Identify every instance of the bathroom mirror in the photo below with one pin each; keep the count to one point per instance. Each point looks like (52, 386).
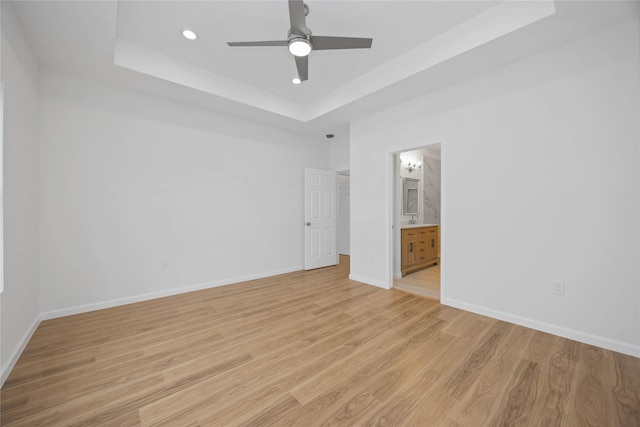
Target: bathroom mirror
(410, 204)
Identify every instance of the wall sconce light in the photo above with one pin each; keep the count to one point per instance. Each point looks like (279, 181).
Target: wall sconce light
(412, 166)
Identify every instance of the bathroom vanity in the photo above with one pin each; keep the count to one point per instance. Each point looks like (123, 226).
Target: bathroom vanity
(420, 247)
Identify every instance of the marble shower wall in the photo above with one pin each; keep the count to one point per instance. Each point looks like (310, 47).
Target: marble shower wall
(431, 187)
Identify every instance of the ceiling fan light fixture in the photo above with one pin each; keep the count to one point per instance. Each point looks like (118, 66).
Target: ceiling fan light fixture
(189, 35)
(300, 47)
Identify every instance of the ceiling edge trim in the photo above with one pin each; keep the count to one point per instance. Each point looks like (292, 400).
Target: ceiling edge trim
(490, 25)
(137, 58)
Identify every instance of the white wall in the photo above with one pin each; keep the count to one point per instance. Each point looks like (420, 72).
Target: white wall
(129, 182)
(555, 139)
(339, 153)
(19, 311)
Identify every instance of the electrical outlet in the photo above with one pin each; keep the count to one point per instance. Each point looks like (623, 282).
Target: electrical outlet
(558, 288)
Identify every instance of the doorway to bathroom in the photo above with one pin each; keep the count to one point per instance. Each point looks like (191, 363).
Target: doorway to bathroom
(417, 202)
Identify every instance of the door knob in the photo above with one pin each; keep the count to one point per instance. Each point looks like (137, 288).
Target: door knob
(308, 224)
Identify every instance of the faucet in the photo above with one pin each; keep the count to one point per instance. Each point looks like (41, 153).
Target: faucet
(413, 220)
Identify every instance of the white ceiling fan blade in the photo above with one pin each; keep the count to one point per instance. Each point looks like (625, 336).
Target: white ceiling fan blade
(297, 18)
(327, 42)
(302, 64)
(260, 43)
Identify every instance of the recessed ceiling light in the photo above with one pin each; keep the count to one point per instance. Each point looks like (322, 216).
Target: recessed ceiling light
(188, 34)
(295, 81)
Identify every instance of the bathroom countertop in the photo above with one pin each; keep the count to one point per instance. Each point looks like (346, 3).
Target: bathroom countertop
(418, 225)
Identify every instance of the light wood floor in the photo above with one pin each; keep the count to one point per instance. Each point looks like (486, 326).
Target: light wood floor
(306, 349)
(424, 282)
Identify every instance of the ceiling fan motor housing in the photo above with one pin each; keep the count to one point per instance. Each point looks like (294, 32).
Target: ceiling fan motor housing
(291, 36)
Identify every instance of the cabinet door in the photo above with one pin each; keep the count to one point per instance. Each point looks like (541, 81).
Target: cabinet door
(409, 250)
(432, 247)
(422, 254)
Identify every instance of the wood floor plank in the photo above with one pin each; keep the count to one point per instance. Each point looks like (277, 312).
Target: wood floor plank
(593, 403)
(311, 348)
(397, 411)
(187, 404)
(315, 351)
(557, 374)
(351, 410)
(483, 395)
(520, 397)
(340, 388)
(460, 383)
(432, 411)
(366, 371)
(273, 414)
(240, 408)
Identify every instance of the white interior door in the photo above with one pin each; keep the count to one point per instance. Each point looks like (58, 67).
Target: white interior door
(320, 218)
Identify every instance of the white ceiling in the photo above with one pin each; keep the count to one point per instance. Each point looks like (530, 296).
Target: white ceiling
(395, 30)
(418, 47)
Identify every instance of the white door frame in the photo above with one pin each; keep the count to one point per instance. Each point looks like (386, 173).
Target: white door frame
(2, 186)
(340, 206)
(392, 232)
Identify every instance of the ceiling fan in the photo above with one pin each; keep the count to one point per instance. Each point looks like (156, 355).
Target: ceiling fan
(301, 42)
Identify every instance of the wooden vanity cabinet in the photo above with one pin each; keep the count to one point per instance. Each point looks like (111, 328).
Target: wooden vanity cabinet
(419, 248)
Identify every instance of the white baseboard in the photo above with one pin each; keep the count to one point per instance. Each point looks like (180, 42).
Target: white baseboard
(606, 343)
(153, 295)
(6, 370)
(368, 281)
